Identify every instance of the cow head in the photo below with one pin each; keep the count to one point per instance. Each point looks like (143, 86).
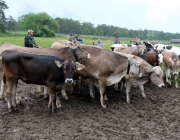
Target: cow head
(69, 66)
(174, 66)
(80, 51)
(160, 59)
(148, 45)
(141, 49)
(135, 67)
(156, 75)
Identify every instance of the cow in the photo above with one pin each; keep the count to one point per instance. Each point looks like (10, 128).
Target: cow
(147, 73)
(36, 69)
(168, 47)
(76, 53)
(171, 63)
(149, 46)
(138, 51)
(108, 68)
(121, 45)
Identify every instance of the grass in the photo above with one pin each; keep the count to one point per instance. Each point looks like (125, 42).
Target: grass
(46, 42)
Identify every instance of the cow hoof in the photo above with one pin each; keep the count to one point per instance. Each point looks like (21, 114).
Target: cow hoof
(104, 106)
(54, 115)
(60, 109)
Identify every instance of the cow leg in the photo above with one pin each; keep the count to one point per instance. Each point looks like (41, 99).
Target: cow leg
(52, 100)
(168, 76)
(176, 80)
(39, 89)
(63, 93)
(81, 80)
(116, 86)
(128, 90)
(8, 94)
(2, 90)
(141, 88)
(122, 84)
(45, 93)
(13, 96)
(58, 103)
(91, 88)
(102, 85)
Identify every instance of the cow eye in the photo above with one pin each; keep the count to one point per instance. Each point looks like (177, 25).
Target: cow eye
(157, 75)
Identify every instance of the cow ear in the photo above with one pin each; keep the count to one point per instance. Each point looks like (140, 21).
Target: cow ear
(149, 70)
(58, 63)
(160, 51)
(138, 62)
(79, 66)
(72, 45)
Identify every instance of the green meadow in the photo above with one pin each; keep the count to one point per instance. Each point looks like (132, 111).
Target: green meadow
(46, 42)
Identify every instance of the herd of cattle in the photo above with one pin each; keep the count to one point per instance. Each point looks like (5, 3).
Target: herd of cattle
(56, 66)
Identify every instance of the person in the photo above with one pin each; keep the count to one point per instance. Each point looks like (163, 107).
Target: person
(138, 42)
(98, 43)
(79, 39)
(153, 43)
(71, 39)
(29, 40)
(116, 40)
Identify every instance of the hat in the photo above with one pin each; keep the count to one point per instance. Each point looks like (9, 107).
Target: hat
(30, 31)
(71, 34)
(116, 36)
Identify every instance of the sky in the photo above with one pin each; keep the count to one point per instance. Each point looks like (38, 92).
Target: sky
(160, 15)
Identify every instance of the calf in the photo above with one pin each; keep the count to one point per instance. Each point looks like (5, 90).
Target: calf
(36, 69)
(171, 63)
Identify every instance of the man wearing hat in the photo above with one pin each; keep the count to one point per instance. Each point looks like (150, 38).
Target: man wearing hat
(71, 39)
(29, 40)
(116, 40)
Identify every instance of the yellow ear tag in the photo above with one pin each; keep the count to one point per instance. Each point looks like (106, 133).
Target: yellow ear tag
(127, 77)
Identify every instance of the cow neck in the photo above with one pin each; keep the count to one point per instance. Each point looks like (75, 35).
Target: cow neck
(74, 54)
(128, 66)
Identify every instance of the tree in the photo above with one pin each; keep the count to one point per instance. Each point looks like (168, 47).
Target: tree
(117, 32)
(3, 19)
(141, 37)
(31, 21)
(11, 23)
(43, 31)
(150, 35)
(86, 31)
(99, 30)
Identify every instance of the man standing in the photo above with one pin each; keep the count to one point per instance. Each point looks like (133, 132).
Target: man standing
(79, 39)
(116, 40)
(138, 42)
(98, 43)
(71, 39)
(29, 40)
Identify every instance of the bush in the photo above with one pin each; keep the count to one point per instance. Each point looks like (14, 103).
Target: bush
(43, 30)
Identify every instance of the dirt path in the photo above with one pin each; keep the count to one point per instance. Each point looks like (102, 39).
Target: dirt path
(157, 117)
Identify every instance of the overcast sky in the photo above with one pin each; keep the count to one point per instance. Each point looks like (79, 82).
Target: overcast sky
(161, 15)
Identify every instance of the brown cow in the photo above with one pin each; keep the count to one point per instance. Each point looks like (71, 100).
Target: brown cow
(171, 63)
(36, 69)
(71, 52)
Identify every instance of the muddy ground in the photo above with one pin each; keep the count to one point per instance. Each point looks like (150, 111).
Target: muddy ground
(157, 117)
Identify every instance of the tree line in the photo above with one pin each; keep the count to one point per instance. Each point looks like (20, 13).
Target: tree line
(45, 25)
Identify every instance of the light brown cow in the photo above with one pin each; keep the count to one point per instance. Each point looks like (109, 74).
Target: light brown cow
(147, 72)
(138, 51)
(171, 64)
(63, 53)
(107, 68)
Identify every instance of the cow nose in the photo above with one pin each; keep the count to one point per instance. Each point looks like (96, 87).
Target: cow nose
(175, 74)
(69, 80)
(145, 50)
(161, 85)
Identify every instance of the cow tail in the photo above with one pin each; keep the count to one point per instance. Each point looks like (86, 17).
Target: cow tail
(4, 79)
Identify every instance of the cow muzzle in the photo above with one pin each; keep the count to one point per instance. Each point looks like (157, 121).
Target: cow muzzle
(69, 80)
(161, 85)
(175, 73)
